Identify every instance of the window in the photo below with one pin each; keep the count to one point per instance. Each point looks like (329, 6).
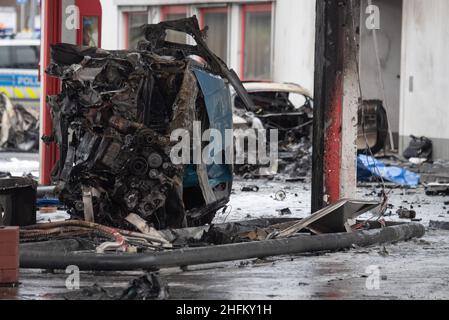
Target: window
(217, 21)
(26, 57)
(133, 22)
(19, 57)
(90, 31)
(169, 13)
(5, 57)
(256, 42)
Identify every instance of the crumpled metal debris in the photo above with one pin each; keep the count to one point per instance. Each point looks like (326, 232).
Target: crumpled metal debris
(421, 148)
(19, 127)
(442, 225)
(295, 159)
(280, 195)
(252, 188)
(406, 214)
(285, 212)
(147, 287)
(437, 188)
(113, 120)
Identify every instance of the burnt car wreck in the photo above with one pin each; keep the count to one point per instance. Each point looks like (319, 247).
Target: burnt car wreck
(113, 121)
(288, 109)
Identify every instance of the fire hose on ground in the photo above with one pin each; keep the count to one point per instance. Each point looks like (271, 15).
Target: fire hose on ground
(34, 259)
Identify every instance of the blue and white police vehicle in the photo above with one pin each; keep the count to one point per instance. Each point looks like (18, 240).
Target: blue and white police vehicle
(19, 63)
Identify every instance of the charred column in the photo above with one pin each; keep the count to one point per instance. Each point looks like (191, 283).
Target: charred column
(333, 55)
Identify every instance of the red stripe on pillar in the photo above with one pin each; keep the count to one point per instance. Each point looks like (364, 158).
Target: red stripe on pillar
(332, 154)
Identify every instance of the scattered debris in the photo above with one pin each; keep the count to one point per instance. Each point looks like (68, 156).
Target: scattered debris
(292, 180)
(421, 148)
(19, 127)
(417, 161)
(256, 235)
(442, 225)
(95, 292)
(383, 252)
(250, 189)
(147, 287)
(285, 212)
(406, 214)
(437, 189)
(433, 172)
(104, 238)
(280, 195)
(332, 219)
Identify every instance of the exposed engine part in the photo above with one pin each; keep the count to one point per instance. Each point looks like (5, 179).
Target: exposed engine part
(113, 120)
(155, 160)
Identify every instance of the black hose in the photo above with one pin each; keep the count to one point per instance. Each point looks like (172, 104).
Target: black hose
(222, 253)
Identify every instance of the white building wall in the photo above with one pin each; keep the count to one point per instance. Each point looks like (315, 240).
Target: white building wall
(294, 42)
(389, 43)
(110, 26)
(425, 70)
(293, 33)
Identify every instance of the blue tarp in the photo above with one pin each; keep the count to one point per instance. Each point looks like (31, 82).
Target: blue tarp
(368, 167)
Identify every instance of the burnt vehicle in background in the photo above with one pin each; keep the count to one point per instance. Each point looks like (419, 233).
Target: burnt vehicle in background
(285, 107)
(288, 108)
(19, 127)
(113, 121)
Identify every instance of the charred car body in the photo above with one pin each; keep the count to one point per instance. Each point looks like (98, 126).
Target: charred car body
(113, 121)
(288, 108)
(19, 127)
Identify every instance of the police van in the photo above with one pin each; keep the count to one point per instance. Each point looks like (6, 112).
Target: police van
(19, 63)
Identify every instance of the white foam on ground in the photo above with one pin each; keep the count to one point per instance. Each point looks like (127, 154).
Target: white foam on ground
(19, 167)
